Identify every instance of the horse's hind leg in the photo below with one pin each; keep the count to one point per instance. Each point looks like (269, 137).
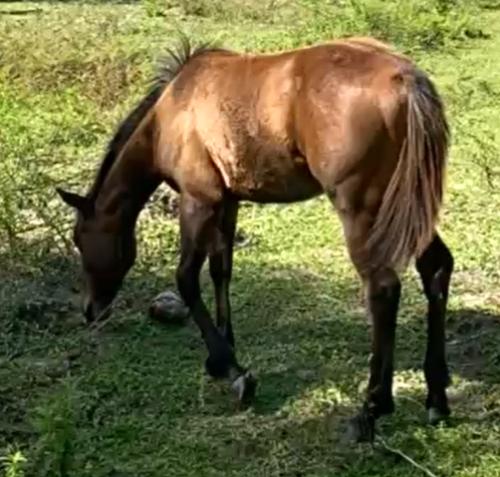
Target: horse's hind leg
(221, 265)
(198, 230)
(383, 289)
(435, 266)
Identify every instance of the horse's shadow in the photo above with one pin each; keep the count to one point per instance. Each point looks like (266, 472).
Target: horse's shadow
(305, 335)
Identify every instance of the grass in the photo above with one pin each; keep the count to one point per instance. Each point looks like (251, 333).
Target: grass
(133, 400)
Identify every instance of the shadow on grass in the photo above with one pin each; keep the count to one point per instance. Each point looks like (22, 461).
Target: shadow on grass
(473, 337)
(305, 336)
(27, 11)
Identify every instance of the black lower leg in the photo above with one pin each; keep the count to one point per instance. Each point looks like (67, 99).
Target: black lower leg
(198, 227)
(221, 265)
(383, 290)
(221, 361)
(220, 271)
(199, 234)
(435, 267)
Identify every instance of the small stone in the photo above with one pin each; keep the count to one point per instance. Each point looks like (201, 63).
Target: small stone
(241, 240)
(168, 307)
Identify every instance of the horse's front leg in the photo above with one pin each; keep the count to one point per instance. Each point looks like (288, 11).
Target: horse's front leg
(221, 266)
(198, 230)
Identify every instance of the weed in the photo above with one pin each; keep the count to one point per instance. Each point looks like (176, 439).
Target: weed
(55, 423)
(434, 23)
(13, 463)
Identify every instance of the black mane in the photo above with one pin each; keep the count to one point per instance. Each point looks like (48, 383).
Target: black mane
(168, 69)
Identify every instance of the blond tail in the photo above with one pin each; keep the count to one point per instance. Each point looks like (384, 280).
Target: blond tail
(408, 214)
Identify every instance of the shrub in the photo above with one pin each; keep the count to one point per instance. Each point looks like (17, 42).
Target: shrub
(424, 25)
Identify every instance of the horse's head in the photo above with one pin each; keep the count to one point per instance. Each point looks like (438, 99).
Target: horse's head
(107, 251)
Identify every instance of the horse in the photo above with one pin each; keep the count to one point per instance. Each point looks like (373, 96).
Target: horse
(351, 118)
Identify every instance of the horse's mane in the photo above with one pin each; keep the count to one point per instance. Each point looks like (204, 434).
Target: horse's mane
(168, 69)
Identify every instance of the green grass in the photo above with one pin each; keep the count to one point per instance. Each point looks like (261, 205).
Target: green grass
(133, 400)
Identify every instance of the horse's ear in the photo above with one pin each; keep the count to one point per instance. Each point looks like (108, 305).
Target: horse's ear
(82, 204)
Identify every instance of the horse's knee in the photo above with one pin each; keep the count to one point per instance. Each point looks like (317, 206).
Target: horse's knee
(435, 267)
(447, 260)
(383, 286)
(436, 257)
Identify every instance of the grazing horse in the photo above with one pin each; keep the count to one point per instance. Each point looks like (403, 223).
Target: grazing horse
(351, 119)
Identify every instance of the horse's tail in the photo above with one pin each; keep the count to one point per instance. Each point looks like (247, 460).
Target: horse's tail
(406, 221)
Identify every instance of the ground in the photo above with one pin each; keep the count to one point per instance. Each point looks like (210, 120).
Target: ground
(132, 399)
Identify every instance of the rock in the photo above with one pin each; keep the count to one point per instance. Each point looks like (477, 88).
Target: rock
(241, 240)
(170, 204)
(168, 307)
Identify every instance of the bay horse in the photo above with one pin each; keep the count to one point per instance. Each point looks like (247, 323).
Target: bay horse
(351, 118)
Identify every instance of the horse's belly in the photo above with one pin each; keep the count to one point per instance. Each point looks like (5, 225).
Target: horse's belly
(279, 177)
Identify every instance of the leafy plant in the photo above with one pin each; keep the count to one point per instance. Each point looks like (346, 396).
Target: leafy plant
(55, 422)
(13, 463)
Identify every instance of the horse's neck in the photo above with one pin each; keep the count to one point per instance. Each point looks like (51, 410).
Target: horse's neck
(131, 180)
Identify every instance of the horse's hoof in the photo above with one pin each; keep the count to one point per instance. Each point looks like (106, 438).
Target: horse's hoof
(217, 367)
(435, 416)
(361, 428)
(244, 387)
